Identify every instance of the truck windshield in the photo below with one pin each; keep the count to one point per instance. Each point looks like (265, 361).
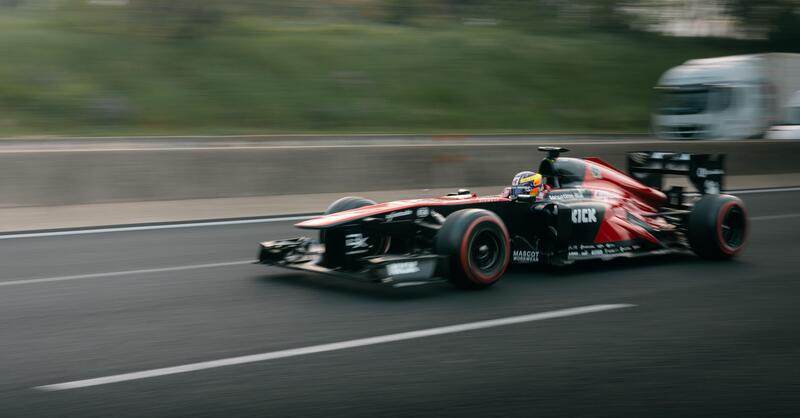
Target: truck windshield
(683, 101)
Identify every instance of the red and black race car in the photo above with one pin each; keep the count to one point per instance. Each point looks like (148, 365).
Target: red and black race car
(583, 209)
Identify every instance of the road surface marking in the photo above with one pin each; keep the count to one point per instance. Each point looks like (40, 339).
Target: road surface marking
(231, 263)
(342, 345)
(123, 273)
(423, 143)
(441, 144)
(772, 190)
(346, 136)
(154, 227)
(771, 217)
(751, 191)
(307, 147)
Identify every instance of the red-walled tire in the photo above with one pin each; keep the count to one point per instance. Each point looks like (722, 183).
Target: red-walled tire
(478, 246)
(718, 227)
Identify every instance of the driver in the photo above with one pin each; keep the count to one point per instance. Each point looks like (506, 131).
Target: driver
(527, 185)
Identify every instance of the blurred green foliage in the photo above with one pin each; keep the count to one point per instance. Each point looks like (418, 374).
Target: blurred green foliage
(239, 66)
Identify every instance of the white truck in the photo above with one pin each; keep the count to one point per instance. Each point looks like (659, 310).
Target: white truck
(733, 97)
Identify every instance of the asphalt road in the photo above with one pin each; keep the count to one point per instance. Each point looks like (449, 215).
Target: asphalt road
(711, 339)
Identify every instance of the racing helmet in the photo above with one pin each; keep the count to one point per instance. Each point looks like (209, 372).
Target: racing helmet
(526, 183)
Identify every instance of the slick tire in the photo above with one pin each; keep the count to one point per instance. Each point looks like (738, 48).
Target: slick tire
(718, 227)
(478, 247)
(341, 205)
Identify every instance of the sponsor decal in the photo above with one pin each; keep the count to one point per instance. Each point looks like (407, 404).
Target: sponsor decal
(393, 215)
(609, 248)
(406, 267)
(566, 195)
(423, 212)
(523, 256)
(606, 195)
(595, 171)
(584, 216)
(704, 172)
(356, 244)
(669, 155)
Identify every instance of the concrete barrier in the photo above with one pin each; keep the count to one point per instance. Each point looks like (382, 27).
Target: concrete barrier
(43, 177)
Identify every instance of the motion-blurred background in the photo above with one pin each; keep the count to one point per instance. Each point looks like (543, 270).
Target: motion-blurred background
(135, 186)
(108, 67)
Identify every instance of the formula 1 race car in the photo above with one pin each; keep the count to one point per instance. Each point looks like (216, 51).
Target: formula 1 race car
(572, 209)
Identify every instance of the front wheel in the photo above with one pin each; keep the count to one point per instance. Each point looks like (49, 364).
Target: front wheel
(343, 204)
(718, 227)
(478, 247)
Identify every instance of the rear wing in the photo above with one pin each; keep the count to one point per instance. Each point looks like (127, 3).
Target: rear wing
(705, 171)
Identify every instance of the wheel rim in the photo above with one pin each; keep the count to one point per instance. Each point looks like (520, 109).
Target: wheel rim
(485, 251)
(733, 227)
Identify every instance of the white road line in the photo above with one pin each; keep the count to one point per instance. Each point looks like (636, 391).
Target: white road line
(123, 273)
(433, 144)
(342, 345)
(223, 264)
(773, 190)
(772, 217)
(153, 227)
(752, 191)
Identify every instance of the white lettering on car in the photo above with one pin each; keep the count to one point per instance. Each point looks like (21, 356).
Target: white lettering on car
(406, 267)
(356, 244)
(584, 216)
(393, 215)
(521, 256)
(704, 172)
(566, 195)
(606, 195)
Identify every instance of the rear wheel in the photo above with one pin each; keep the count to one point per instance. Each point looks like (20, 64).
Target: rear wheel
(717, 227)
(478, 246)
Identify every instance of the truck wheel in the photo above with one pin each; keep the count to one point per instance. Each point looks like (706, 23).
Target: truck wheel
(478, 247)
(341, 205)
(717, 227)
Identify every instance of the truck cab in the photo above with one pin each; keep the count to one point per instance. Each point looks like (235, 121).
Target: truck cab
(712, 98)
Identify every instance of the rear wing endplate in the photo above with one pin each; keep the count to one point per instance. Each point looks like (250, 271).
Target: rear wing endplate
(705, 171)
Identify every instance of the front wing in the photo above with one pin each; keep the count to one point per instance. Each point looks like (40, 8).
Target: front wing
(392, 270)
